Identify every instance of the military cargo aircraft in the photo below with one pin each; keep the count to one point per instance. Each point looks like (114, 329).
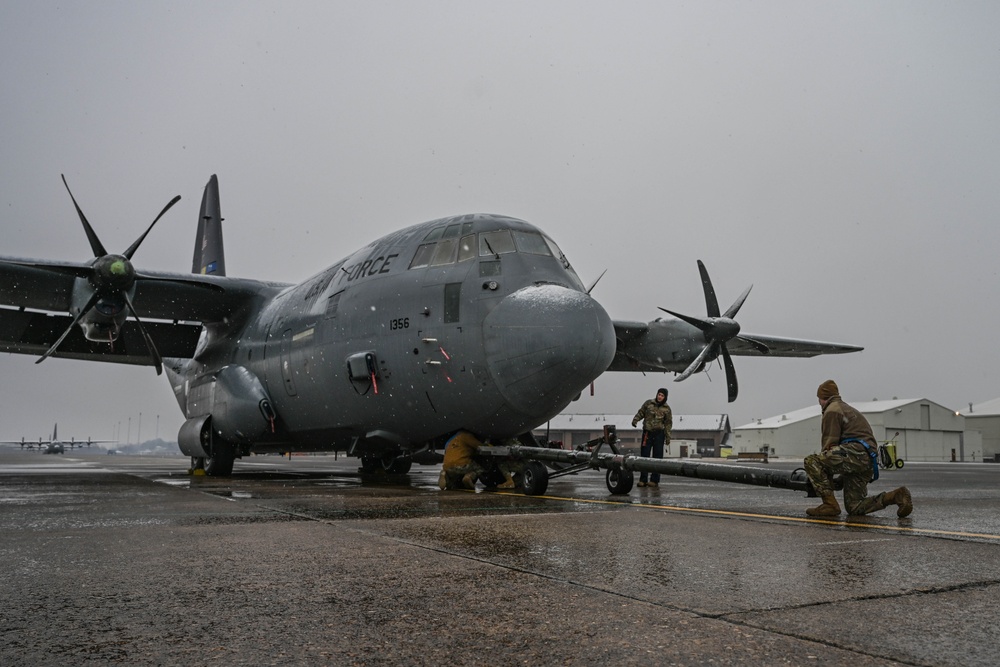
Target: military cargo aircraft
(53, 445)
(475, 322)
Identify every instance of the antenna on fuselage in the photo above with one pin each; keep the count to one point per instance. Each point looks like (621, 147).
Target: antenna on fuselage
(594, 284)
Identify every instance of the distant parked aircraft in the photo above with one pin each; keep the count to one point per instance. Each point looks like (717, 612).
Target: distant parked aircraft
(53, 445)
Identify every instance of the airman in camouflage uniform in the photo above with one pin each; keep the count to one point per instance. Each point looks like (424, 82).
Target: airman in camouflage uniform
(846, 433)
(460, 469)
(657, 422)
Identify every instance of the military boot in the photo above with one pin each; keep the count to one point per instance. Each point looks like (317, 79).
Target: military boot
(508, 482)
(901, 497)
(443, 480)
(469, 481)
(830, 507)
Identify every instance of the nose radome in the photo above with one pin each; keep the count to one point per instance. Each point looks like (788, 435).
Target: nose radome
(545, 344)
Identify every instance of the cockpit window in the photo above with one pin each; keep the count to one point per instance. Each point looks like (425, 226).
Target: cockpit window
(434, 234)
(531, 243)
(456, 243)
(467, 248)
(444, 252)
(495, 243)
(557, 252)
(422, 256)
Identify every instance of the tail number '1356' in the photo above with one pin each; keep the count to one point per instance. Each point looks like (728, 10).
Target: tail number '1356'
(399, 323)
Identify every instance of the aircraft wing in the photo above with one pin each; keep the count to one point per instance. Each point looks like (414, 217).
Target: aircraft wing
(671, 345)
(36, 297)
(73, 442)
(786, 347)
(30, 444)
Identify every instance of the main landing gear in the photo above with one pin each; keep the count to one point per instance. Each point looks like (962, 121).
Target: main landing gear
(218, 464)
(388, 464)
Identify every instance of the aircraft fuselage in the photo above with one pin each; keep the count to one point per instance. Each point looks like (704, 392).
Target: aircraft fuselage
(474, 322)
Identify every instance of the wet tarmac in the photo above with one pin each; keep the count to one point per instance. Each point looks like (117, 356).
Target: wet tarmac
(121, 559)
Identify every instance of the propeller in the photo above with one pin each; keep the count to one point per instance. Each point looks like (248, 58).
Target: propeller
(718, 329)
(111, 279)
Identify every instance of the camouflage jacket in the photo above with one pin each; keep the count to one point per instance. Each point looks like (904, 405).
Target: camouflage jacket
(655, 417)
(841, 421)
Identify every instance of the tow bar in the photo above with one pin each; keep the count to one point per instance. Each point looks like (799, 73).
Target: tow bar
(620, 467)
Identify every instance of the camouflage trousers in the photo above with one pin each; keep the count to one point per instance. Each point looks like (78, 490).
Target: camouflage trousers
(854, 467)
(453, 476)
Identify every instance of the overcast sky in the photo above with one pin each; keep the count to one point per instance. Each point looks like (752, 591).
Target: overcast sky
(843, 157)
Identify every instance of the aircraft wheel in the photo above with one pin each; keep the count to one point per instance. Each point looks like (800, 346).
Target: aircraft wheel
(220, 463)
(899, 463)
(536, 478)
(396, 465)
(620, 481)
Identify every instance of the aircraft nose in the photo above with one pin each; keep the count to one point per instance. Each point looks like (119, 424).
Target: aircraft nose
(545, 344)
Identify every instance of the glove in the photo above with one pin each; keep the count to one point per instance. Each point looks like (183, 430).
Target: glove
(633, 424)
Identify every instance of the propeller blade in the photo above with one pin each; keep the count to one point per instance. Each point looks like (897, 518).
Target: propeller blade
(696, 364)
(735, 308)
(76, 320)
(755, 344)
(95, 243)
(731, 384)
(693, 321)
(711, 302)
(157, 359)
(135, 246)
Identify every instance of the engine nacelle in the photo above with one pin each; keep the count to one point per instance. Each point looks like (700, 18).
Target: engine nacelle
(195, 437)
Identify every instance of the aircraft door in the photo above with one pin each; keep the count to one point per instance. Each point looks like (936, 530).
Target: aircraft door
(440, 331)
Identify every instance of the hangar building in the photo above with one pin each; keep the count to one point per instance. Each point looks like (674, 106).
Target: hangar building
(922, 430)
(705, 435)
(985, 418)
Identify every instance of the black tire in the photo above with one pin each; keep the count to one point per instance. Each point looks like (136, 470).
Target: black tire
(619, 481)
(396, 465)
(899, 463)
(536, 478)
(220, 463)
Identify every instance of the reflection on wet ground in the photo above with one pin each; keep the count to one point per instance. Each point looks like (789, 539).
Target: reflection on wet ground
(745, 557)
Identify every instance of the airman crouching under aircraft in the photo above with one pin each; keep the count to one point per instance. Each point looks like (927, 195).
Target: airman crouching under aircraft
(462, 468)
(849, 450)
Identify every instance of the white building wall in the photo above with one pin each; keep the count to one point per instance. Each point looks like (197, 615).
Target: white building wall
(972, 446)
(989, 428)
(795, 440)
(918, 415)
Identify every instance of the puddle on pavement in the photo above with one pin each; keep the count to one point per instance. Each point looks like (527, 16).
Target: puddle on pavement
(182, 483)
